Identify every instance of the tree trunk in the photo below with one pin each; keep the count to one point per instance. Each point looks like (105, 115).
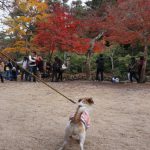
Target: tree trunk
(143, 72)
(89, 54)
(112, 63)
(112, 60)
(88, 66)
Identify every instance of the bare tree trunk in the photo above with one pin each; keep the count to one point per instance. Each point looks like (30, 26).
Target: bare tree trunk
(143, 72)
(112, 63)
(112, 60)
(88, 66)
(89, 54)
(50, 55)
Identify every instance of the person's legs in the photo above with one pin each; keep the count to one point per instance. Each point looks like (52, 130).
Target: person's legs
(6, 75)
(15, 75)
(10, 75)
(34, 73)
(60, 75)
(26, 75)
(97, 74)
(54, 76)
(131, 76)
(135, 77)
(22, 74)
(31, 71)
(1, 76)
(102, 76)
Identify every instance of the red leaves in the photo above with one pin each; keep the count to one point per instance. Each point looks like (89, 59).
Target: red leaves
(64, 32)
(129, 21)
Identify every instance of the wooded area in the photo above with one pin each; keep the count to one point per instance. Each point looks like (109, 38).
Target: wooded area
(119, 29)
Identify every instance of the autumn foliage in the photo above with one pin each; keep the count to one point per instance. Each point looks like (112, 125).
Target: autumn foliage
(61, 30)
(128, 22)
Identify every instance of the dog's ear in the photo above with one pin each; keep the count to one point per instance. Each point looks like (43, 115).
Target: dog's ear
(79, 100)
(90, 101)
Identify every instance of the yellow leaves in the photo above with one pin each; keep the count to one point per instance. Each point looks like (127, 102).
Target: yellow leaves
(19, 46)
(31, 11)
(24, 19)
(8, 50)
(27, 14)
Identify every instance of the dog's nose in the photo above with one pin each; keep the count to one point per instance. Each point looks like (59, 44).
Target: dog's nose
(80, 105)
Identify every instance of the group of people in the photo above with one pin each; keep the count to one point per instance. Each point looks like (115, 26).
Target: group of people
(30, 67)
(134, 69)
(33, 65)
(8, 70)
(57, 70)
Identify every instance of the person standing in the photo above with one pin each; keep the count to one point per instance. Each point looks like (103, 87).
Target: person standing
(8, 69)
(2, 65)
(100, 68)
(133, 67)
(25, 63)
(33, 66)
(60, 69)
(55, 68)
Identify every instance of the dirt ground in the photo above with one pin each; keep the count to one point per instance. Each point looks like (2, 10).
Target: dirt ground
(33, 117)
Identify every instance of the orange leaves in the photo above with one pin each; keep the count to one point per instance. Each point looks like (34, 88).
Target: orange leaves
(63, 31)
(60, 31)
(128, 22)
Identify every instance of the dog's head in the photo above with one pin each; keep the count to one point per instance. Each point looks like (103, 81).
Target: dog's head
(85, 102)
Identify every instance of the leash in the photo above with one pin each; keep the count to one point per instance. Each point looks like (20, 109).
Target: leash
(39, 79)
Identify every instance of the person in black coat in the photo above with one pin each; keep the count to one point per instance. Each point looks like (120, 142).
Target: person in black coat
(100, 68)
(133, 69)
(55, 68)
(60, 71)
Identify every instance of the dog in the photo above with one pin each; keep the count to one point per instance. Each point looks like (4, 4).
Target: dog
(79, 123)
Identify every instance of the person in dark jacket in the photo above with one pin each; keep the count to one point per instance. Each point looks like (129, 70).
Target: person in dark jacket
(133, 67)
(55, 68)
(60, 71)
(100, 68)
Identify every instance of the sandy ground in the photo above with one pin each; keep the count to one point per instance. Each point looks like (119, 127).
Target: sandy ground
(33, 117)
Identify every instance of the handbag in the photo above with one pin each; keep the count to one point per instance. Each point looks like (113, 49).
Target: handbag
(63, 67)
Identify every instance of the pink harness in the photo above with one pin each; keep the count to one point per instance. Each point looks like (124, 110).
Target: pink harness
(85, 118)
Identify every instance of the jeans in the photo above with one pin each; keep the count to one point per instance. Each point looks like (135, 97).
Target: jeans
(33, 70)
(8, 74)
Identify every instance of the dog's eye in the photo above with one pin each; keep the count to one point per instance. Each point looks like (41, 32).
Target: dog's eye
(79, 100)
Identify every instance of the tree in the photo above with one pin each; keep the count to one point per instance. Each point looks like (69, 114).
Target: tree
(23, 16)
(128, 22)
(62, 31)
